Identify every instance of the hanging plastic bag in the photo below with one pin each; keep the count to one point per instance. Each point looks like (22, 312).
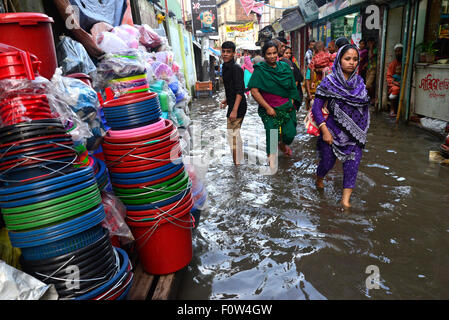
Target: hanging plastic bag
(73, 57)
(128, 34)
(148, 37)
(115, 217)
(111, 43)
(199, 191)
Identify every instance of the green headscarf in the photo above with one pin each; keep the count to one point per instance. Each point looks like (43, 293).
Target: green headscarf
(279, 80)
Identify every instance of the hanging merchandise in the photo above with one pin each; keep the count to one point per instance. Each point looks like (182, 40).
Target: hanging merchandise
(83, 100)
(115, 218)
(73, 57)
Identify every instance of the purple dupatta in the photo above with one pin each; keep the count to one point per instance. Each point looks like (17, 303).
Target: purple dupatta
(348, 100)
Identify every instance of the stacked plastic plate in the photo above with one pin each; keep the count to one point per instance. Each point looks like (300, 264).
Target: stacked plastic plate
(53, 209)
(148, 175)
(56, 222)
(132, 111)
(128, 85)
(33, 149)
(23, 108)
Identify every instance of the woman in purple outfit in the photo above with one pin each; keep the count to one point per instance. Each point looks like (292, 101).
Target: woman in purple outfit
(344, 132)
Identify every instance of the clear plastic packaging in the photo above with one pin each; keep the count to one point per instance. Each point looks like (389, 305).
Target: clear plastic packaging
(32, 89)
(111, 43)
(148, 37)
(115, 66)
(199, 191)
(83, 100)
(179, 117)
(129, 34)
(73, 57)
(162, 70)
(115, 217)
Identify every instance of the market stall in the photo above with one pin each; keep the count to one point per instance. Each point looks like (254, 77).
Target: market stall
(91, 167)
(431, 72)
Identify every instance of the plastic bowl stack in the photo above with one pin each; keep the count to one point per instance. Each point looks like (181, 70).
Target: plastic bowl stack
(132, 111)
(33, 149)
(53, 210)
(129, 85)
(148, 175)
(23, 108)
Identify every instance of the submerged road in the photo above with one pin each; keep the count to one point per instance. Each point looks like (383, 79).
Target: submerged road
(278, 237)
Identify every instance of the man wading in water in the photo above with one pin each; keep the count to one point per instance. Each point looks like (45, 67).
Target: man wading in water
(235, 99)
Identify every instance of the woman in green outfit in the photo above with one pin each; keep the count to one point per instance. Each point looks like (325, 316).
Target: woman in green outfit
(273, 86)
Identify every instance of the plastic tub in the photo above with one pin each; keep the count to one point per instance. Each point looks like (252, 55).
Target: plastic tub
(31, 32)
(164, 245)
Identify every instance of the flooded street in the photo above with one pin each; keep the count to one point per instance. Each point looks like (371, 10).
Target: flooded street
(278, 237)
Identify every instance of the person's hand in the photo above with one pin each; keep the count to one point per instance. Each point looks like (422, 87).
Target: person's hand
(396, 83)
(233, 115)
(271, 112)
(223, 104)
(327, 137)
(89, 44)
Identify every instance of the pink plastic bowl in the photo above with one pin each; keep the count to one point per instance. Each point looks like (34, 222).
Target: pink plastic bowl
(154, 127)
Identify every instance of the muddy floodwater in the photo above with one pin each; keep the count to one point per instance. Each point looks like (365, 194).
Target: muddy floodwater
(278, 237)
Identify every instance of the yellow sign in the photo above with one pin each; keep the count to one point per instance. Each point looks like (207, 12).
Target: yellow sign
(241, 27)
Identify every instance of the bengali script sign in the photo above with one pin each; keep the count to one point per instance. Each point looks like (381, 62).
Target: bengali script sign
(431, 83)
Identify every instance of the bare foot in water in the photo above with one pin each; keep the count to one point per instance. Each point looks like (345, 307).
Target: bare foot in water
(346, 205)
(285, 149)
(319, 183)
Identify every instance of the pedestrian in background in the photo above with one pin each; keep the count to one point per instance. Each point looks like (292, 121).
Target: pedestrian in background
(394, 73)
(297, 75)
(257, 58)
(332, 49)
(340, 42)
(371, 71)
(233, 82)
(307, 60)
(344, 132)
(273, 87)
(363, 59)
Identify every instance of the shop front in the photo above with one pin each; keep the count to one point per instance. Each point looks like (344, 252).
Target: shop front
(432, 67)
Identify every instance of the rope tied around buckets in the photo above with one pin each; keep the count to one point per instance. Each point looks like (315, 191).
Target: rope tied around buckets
(28, 158)
(107, 275)
(162, 216)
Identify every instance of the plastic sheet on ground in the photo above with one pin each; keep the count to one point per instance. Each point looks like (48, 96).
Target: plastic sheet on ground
(18, 285)
(435, 125)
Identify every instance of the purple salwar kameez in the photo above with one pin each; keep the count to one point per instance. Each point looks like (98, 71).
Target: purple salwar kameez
(348, 121)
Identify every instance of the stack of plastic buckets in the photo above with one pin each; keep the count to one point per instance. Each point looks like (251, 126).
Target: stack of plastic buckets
(53, 210)
(148, 175)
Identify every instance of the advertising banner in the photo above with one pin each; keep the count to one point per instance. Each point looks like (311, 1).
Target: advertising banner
(204, 16)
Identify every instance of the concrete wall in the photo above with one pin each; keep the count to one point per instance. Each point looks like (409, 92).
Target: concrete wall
(147, 13)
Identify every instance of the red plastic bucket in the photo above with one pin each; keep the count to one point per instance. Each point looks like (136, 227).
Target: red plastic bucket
(31, 32)
(165, 245)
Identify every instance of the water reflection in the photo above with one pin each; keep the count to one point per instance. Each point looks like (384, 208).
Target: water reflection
(277, 237)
